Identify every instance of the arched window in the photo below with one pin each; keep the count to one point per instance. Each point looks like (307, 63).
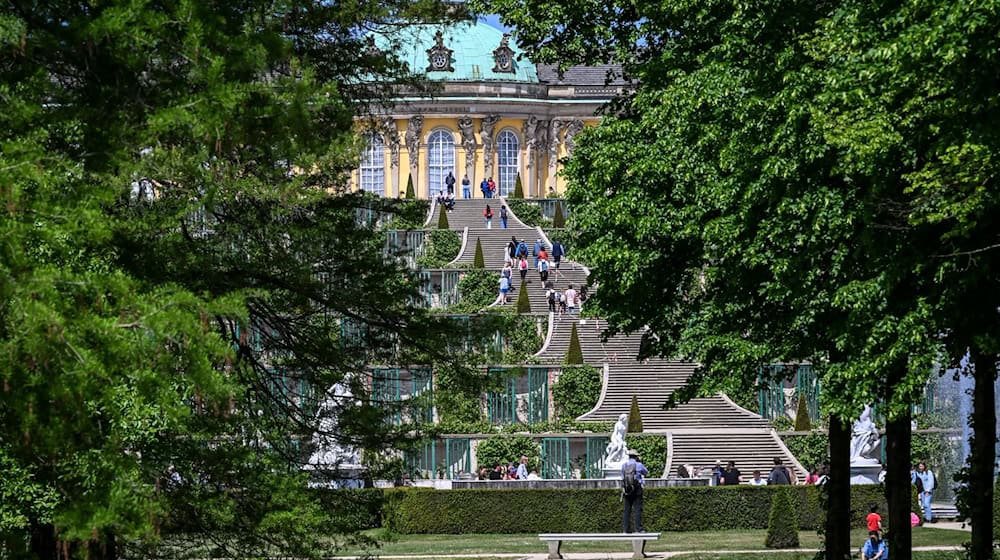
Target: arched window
(372, 176)
(508, 148)
(440, 159)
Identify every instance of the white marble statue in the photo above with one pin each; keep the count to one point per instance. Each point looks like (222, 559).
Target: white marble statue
(615, 453)
(864, 439)
(329, 452)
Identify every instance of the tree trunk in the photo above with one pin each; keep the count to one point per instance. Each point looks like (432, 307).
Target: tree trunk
(983, 422)
(838, 492)
(898, 490)
(43, 542)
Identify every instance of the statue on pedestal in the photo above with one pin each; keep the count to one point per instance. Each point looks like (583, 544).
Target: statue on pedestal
(865, 439)
(329, 453)
(616, 452)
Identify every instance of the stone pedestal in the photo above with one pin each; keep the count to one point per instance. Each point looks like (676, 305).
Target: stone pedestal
(613, 472)
(865, 473)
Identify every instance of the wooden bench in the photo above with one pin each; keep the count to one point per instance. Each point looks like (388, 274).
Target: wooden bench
(555, 540)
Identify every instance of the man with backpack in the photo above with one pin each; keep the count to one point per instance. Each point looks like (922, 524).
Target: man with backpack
(779, 474)
(632, 473)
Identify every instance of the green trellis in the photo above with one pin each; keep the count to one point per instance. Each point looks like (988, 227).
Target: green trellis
(771, 394)
(386, 391)
(596, 447)
(353, 334)
(501, 405)
(458, 457)
(423, 389)
(538, 395)
(421, 460)
(555, 458)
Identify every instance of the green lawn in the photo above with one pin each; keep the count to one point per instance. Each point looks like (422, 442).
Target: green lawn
(710, 541)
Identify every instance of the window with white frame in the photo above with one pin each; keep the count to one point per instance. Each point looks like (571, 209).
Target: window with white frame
(508, 147)
(372, 175)
(440, 159)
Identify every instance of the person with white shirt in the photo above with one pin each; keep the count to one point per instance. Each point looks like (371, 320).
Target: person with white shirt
(757, 480)
(570, 299)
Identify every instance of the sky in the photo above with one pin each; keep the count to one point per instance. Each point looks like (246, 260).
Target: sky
(494, 20)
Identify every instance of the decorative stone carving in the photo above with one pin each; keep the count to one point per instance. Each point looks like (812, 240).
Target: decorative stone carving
(468, 137)
(486, 127)
(439, 56)
(503, 56)
(413, 129)
(528, 128)
(555, 129)
(865, 439)
(615, 453)
(573, 128)
(391, 135)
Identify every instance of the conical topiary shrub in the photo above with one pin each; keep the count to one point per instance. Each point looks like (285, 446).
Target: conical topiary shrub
(518, 189)
(802, 422)
(477, 258)
(558, 221)
(409, 187)
(523, 304)
(443, 218)
(634, 417)
(783, 526)
(574, 354)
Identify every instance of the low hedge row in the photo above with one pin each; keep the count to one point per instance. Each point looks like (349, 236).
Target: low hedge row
(428, 511)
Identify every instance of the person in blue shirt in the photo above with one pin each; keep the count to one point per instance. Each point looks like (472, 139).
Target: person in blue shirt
(875, 548)
(925, 488)
(633, 502)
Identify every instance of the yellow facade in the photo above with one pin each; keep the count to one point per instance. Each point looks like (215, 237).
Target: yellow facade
(537, 179)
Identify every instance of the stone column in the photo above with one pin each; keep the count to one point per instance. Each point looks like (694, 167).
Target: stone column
(555, 130)
(469, 144)
(413, 130)
(486, 127)
(391, 134)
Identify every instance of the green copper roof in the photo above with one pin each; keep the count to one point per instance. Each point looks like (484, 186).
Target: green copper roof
(473, 44)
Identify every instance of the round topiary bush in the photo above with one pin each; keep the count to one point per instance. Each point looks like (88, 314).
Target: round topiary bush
(783, 525)
(577, 391)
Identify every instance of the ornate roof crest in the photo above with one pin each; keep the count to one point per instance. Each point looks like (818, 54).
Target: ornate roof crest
(503, 56)
(439, 56)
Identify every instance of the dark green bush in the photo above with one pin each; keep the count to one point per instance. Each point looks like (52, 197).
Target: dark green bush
(577, 391)
(409, 187)
(527, 211)
(523, 303)
(574, 353)
(558, 220)
(802, 422)
(443, 218)
(996, 510)
(518, 189)
(502, 449)
(477, 259)
(782, 526)
(634, 417)
(593, 511)
(477, 288)
(652, 450)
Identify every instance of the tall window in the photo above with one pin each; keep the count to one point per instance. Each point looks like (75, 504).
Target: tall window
(507, 151)
(441, 159)
(373, 166)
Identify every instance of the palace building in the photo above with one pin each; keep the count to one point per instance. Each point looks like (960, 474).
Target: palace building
(496, 114)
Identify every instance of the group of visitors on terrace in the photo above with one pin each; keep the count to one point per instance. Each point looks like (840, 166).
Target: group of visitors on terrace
(516, 257)
(508, 471)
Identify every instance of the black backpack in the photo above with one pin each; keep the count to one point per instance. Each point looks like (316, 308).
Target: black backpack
(630, 481)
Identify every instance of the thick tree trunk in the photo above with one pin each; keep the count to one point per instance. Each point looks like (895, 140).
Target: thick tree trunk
(44, 545)
(983, 421)
(838, 492)
(898, 490)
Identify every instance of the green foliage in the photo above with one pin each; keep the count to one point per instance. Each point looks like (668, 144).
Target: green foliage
(527, 211)
(812, 450)
(518, 189)
(442, 218)
(574, 353)
(591, 511)
(634, 417)
(410, 194)
(996, 509)
(558, 221)
(441, 246)
(652, 450)
(523, 303)
(782, 526)
(502, 449)
(477, 259)
(477, 289)
(802, 422)
(408, 214)
(577, 390)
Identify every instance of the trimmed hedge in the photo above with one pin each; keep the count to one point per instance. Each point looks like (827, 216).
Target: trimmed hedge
(427, 511)
(782, 528)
